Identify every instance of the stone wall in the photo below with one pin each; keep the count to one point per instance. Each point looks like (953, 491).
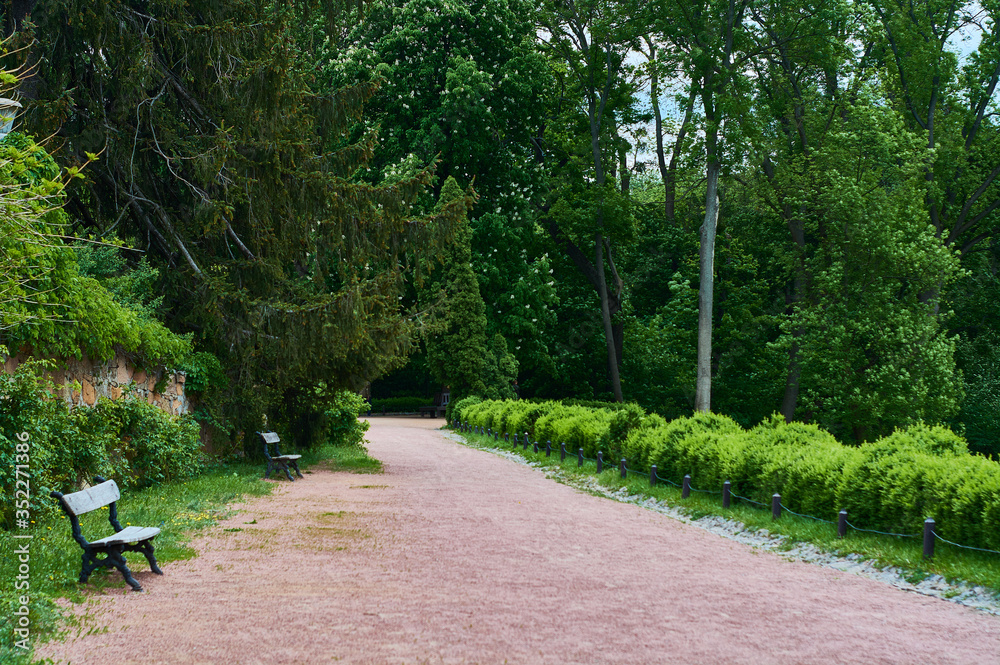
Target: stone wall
(83, 382)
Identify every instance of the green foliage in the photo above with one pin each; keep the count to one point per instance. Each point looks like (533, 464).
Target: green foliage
(132, 287)
(505, 416)
(273, 250)
(923, 472)
(660, 353)
(313, 416)
(872, 353)
(456, 347)
(292, 232)
(343, 427)
(577, 427)
(499, 369)
(204, 374)
(516, 280)
(800, 461)
(50, 303)
(976, 300)
(92, 323)
(456, 411)
(129, 440)
(685, 446)
(149, 446)
(889, 484)
(470, 98)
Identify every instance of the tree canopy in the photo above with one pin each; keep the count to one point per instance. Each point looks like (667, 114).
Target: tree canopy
(756, 206)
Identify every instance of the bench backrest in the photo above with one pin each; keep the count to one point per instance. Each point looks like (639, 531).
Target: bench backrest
(91, 498)
(270, 438)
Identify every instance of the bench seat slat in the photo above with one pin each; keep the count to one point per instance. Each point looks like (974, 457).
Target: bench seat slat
(287, 458)
(92, 498)
(130, 534)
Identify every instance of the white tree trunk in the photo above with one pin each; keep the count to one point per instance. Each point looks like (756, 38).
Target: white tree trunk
(703, 387)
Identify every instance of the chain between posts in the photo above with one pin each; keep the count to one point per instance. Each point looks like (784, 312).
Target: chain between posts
(965, 547)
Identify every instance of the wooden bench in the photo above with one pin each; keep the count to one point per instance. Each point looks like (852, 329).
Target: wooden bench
(440, 406)
(125, 539)
(278, 461)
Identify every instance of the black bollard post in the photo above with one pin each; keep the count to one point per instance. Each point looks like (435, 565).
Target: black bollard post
(526, 442)
(515, 441)
(600, 461)
(841, 524)
(776, 507)
(652, 476)
(548, 449)
(686, 487)
(621, 465)
(506, 437)
(579, 457)
(535, 446)
(562, 452)
(928, 538)
(727, 494)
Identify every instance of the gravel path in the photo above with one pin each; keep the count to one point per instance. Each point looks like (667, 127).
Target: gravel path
(455, 555)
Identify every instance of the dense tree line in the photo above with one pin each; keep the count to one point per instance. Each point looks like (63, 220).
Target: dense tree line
(753, 206)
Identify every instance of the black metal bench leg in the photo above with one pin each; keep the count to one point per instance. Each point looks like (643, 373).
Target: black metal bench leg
(270, 467)
(295, 465)
(147, 551)
(287, 472)
(118, 561)
(90, 564)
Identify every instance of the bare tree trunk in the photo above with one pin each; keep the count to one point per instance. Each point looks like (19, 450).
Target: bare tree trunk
(798, 292)
(596, 112)
(609, 335)
(791, 399)
(703, 386)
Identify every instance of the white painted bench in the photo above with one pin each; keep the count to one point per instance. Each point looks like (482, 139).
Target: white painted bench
(278, 461)
(124, 539)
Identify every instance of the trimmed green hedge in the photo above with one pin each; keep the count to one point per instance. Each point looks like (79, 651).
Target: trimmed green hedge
(891, 484)
(400, 404)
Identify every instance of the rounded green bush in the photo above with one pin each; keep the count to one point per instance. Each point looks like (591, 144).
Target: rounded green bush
(673, 453)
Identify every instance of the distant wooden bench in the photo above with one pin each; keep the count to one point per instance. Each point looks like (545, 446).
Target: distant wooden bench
(278, 461)
(439, 408)
(125, 539)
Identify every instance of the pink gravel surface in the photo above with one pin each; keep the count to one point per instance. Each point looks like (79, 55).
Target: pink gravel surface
(455, 555)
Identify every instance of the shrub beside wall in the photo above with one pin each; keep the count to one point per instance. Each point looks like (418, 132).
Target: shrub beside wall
(891, 484)
(129, 440)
